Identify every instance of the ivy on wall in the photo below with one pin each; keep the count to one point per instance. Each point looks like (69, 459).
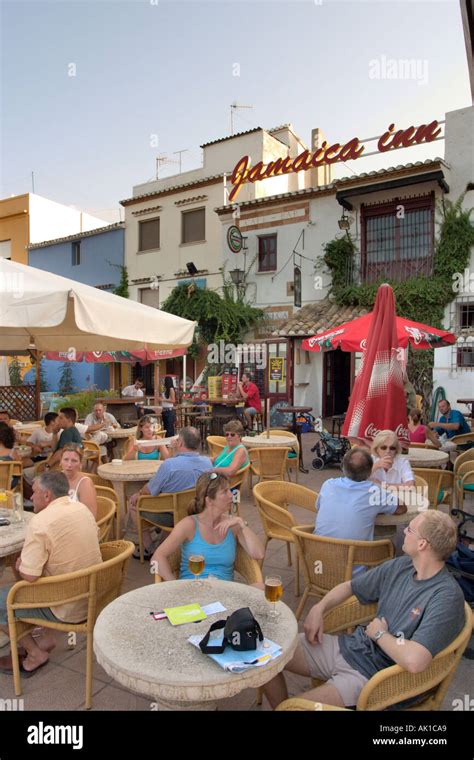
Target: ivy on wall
(418, 298)
(218, 318)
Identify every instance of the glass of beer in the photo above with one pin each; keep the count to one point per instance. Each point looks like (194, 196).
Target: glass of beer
(196, 564)
(273, 592)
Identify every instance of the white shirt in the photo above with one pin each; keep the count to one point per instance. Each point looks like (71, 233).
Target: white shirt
(109, 419)
(41, 436)
(400, 472)
(131, 390)
(82, 428)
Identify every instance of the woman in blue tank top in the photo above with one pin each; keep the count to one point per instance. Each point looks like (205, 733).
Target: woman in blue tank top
(210, 531)
(234, 456)
(145, 432)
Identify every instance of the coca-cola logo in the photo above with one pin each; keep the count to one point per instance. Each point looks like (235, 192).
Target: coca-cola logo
(400, 431)
(324, 338)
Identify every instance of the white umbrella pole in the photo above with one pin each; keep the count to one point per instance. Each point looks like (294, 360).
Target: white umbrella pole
(184, 374)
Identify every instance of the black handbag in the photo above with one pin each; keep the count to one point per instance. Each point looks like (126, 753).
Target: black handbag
(241, 632)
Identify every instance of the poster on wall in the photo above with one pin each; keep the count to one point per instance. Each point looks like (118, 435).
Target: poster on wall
(276, 369)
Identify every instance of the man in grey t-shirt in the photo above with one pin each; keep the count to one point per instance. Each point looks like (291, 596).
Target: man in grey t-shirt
(420, 606)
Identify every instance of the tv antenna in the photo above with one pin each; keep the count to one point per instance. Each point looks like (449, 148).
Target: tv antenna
(161, 160)
(233, 108)
(178, 152)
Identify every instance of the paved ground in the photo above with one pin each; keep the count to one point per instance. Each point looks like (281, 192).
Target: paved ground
(61, 685)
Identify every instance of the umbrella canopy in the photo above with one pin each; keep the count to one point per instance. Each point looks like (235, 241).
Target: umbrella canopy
(353, 336)
(143, 356)
(378, 398)
(53, 313)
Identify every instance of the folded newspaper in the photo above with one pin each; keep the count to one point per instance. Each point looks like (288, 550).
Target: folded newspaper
(238, 662)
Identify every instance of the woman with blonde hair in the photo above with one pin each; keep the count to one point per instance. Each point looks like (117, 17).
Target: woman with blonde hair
(210, 531)
(80, 485)
(389, 466)
(234, 456)
(138, 449)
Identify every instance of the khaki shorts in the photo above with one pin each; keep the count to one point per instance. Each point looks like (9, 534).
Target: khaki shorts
(326, 662)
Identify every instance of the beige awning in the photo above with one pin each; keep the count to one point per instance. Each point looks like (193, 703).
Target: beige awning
(52, 313)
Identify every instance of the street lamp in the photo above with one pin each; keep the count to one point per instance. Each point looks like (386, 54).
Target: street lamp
(237, 276)
(344, 222)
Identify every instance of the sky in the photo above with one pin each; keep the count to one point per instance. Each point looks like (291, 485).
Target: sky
(92, 92)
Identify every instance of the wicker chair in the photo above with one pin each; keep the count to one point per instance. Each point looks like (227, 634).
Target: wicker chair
(175, 503)
(464, 482)
(440, 485)
(216, 444)
(268, 463)
(244, 565)
(327, 562)
(393, 685)
(460, 440)
(106, 511)
(98, 481)
(466, 456)
(236, 481)
(6, 475)
(292, 462)
(99, 584)
(91, 454)
(272, 499)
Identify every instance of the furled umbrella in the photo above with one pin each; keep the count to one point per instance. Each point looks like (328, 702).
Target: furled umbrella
(378, 399)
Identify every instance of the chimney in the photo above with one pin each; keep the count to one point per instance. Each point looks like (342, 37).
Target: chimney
(322, 174)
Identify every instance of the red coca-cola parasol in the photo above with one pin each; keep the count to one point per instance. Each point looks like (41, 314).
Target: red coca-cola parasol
(378, 398)
(353, 336)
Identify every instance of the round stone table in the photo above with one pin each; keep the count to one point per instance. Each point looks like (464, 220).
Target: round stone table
(254, 441)
(12, 537)
(120, 435)
(427, 457)
(126, 478)
(415, 502)
(154, 658)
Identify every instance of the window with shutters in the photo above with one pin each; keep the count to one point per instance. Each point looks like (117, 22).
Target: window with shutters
(267, 253)
(149, 235)
(193, 226)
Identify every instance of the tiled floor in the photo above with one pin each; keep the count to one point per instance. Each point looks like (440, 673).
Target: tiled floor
(61, 685)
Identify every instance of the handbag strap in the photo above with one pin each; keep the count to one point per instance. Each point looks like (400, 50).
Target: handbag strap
(205, 649)
(259, 630)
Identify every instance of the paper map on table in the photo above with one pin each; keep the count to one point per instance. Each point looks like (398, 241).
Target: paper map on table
(238, 662)
(188, 613)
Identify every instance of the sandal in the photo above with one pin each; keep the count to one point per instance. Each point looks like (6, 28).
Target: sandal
(147, 553)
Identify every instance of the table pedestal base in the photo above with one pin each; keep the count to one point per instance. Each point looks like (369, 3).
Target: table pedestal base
(165, 706)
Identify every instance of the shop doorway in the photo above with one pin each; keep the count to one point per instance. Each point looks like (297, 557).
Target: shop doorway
(337, 373)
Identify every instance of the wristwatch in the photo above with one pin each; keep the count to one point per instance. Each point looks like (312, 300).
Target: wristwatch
(379, 635)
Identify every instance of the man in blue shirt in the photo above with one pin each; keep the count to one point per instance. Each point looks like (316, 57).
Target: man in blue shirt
(178, 473)
(452, 422)
(347, 506)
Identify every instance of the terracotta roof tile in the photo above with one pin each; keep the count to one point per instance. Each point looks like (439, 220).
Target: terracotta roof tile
(317, 317)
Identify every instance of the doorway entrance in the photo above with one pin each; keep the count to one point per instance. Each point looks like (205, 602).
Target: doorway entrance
(337, 375)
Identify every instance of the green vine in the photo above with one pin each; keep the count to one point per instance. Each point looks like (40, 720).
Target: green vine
(418, 298)
(218, 318)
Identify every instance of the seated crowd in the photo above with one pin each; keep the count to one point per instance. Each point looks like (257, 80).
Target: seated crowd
(417, 598)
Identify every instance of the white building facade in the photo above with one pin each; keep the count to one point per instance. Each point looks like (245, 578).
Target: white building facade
(293, 228)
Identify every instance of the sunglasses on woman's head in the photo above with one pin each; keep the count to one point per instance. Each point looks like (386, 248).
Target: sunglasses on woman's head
(212, 477)
(390, 448)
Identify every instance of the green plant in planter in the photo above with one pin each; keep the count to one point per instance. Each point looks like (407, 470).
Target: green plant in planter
(83, 402)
